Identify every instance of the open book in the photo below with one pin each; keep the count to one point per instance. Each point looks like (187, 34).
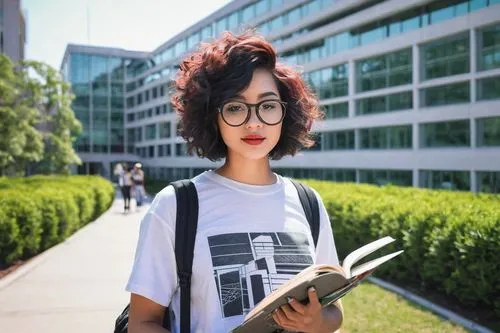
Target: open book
(331, 283)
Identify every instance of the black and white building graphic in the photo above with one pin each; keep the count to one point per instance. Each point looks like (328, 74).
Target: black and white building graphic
(249, 266)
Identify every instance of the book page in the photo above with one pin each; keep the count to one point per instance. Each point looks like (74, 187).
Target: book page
(372, 264)
(362, 252)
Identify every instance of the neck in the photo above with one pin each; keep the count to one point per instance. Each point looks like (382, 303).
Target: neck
(253, 172)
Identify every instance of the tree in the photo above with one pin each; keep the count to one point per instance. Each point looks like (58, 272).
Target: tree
(21, 142)
(59, 126)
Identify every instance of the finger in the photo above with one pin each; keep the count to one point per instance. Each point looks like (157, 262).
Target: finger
(313, 299)
(297, 306)
(282, 321)
(289, 313)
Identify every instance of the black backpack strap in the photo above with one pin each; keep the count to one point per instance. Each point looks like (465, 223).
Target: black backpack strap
(185, 235)
(311, 207)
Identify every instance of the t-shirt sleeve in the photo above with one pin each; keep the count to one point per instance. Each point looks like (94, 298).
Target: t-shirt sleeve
(326, 252)
(154, 272)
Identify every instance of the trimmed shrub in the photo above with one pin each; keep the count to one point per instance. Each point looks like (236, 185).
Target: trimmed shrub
(41, 211)
(451, 240)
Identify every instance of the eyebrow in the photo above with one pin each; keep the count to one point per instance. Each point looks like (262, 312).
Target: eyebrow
(262, 95)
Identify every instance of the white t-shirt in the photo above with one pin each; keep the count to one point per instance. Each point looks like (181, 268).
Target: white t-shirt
(250, 240)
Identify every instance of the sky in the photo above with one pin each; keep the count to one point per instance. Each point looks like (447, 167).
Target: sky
(140, 25)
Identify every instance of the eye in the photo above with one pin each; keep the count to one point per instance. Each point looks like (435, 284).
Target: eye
(269, 106)
(233, 107)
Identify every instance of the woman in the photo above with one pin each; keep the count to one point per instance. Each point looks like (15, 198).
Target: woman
(127, 187)
(236, 102)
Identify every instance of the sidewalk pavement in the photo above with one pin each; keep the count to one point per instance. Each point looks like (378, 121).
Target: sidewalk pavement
(78, 285)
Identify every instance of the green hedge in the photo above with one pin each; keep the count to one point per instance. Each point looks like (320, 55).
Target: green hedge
(41, 211)
(451, 239)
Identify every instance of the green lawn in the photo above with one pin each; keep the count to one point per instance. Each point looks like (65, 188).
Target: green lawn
(369, 308)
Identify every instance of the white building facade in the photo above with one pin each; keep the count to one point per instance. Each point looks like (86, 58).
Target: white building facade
(410, 90)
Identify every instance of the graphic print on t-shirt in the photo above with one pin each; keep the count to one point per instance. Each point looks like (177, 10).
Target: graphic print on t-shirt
(249, 266)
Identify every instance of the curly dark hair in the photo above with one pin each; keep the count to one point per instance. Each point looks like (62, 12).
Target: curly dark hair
(221, 69)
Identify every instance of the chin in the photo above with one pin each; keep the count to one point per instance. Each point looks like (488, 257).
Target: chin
(257, 153)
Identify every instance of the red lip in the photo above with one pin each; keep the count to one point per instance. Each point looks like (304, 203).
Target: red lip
(253, 137)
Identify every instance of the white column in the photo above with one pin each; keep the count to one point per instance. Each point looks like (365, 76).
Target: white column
(416, 76)
(473, 181)
(473, 135)
(351, 87)
(473, 63)
(415, 177)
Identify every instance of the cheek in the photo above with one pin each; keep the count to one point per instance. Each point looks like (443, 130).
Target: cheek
(227, 132)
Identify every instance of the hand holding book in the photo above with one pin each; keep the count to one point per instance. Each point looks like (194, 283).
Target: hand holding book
(331, 283)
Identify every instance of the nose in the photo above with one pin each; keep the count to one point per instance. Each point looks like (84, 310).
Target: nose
(253, 121)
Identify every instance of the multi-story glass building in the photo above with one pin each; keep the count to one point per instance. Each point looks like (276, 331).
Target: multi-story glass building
(98, 77)
(410, 89)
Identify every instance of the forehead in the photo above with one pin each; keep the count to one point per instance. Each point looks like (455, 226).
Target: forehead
(262, 81)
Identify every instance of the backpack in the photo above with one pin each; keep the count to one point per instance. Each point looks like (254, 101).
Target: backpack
(185, 234)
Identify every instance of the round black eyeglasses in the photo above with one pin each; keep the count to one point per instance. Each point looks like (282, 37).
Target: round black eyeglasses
(270, 112)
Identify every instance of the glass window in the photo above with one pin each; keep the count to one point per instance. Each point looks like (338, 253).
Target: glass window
(442, 14)
(411, 23)
(388, 70)
(477, 4)
(392, 137)
(116, 69)
(116, 119)
(372, 35)
(445, 57)
(445, 134)
(488, 88)
(337, 140)
(294, 15)
(151, 132)
(165, 129)
(80, 66)
(276, 3)
(233, 21)
(277, 22)
(445, 95)
(339, 110)
(194, 39)
(313, 7)
(180, 47)
(206, 33)
(488, 181)
(262, 7)
(180, 149)
(489, 48)
(117, 138)
(248, 13)
(100, 132)
(221, 25)
(488, 132)
(329, 82)
(448, 180)
(386, 177)
(401, 101)
(378, 104)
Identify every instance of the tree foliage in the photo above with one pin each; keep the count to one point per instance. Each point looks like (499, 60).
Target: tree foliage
(36, 120)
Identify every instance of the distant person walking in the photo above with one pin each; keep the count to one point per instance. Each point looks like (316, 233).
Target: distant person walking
(138, 179)
(125, 182)
(127, 187)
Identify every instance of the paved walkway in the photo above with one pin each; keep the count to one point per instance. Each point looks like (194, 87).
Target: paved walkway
(76, 286)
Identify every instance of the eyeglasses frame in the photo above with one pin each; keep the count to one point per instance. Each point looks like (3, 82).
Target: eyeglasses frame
(249, 111)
